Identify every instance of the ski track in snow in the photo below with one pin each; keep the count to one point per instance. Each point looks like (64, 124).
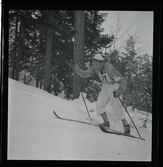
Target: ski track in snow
(34, 133)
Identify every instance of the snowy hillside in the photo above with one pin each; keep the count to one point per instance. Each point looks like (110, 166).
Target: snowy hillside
(34, 133)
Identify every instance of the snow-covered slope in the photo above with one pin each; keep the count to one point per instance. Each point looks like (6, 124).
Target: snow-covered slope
(34, 133)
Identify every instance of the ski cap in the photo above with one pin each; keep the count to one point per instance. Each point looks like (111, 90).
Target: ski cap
(98, 57)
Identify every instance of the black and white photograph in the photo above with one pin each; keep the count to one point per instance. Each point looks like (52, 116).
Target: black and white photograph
(80, 85)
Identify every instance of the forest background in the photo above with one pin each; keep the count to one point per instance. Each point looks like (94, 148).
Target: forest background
(42, 47)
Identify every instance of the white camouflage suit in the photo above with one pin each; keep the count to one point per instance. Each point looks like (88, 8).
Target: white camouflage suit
(112, 80)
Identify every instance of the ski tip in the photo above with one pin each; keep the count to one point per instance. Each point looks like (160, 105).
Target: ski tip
(55, 114)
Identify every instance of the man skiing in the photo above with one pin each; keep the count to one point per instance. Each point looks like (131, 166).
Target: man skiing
(113, 85)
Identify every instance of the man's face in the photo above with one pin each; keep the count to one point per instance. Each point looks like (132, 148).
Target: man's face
(97, 64)
(109, 59)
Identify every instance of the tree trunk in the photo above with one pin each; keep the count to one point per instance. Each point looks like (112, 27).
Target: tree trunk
(78, 51)
(15, 50)
(47, 76)
(19, 51)
(128, 82)
(38, 70)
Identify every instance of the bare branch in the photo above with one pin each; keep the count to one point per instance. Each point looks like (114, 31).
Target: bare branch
(129, 27)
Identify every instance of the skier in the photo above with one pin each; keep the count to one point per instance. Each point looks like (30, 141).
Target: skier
(113, 85)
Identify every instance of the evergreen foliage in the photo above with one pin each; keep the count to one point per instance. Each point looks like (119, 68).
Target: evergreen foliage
(28, 31)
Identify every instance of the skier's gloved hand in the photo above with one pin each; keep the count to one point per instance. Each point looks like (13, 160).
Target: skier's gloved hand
(116, 93)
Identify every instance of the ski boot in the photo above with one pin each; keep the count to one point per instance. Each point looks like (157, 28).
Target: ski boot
(105, 124)
(127, 130)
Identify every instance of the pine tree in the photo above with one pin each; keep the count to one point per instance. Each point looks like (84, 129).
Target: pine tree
(31, 44)
(143, 81)
(130, 69)
(22, 44)
(13, 45)
(78, 50)
(47, 77)
(138, 72)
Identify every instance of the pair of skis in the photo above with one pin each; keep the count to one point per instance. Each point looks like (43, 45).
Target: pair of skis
(106, 130)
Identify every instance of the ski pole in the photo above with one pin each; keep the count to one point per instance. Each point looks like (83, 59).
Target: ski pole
(130, 117)
(86, 106)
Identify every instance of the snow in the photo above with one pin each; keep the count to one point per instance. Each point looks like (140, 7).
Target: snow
(34, 133)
